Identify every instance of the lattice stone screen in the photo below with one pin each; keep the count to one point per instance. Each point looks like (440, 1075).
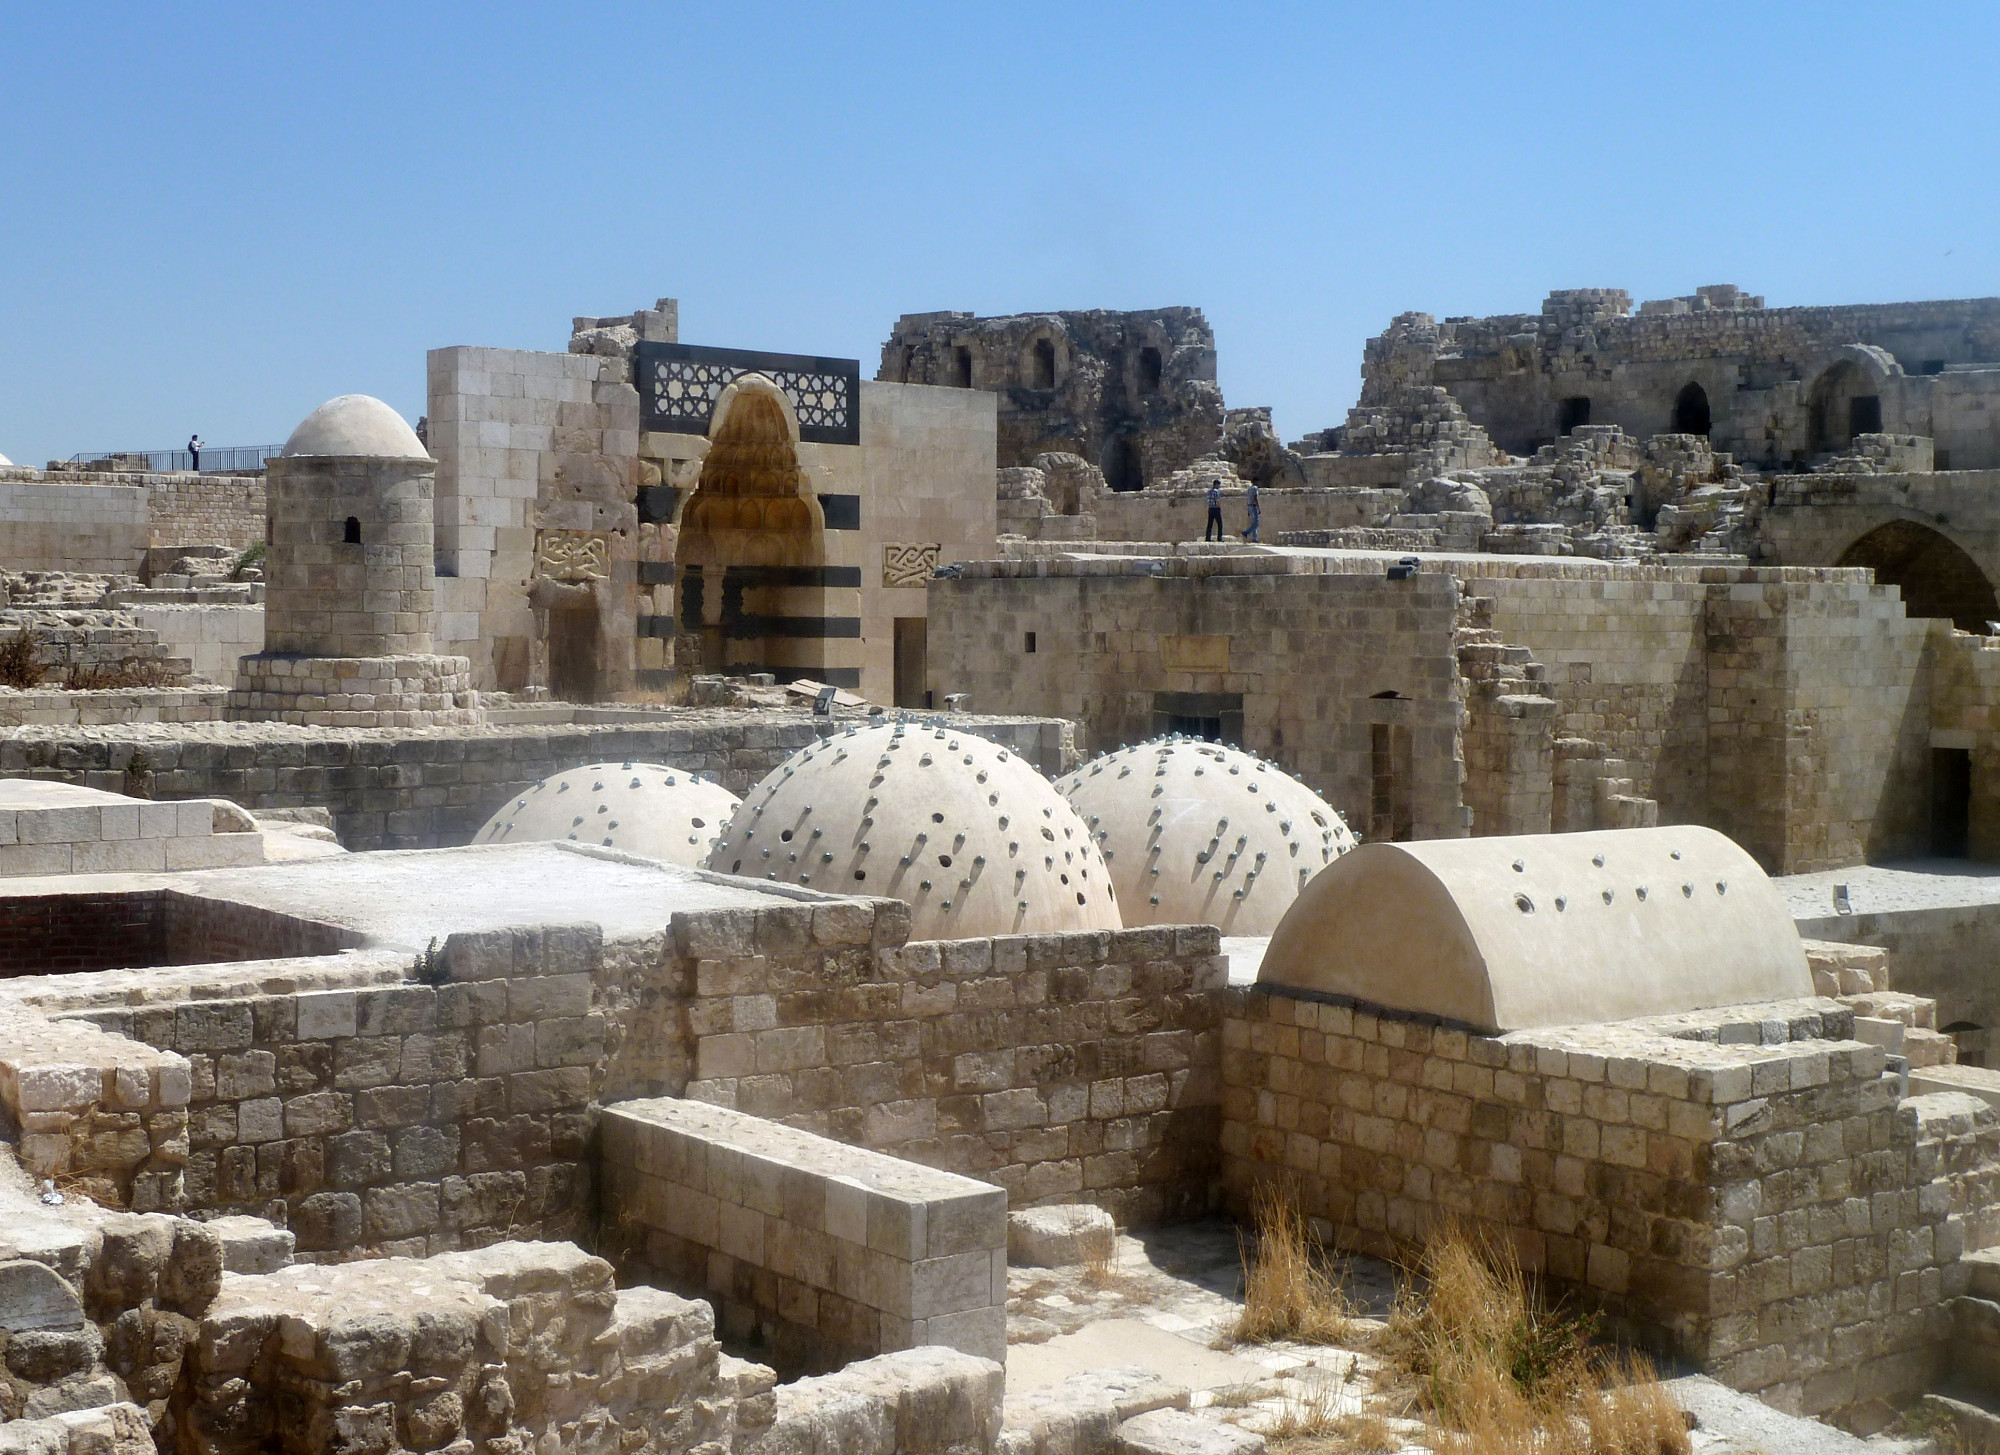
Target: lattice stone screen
(679, 384)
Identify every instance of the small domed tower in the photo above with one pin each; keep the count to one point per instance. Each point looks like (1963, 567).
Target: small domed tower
(350, 610)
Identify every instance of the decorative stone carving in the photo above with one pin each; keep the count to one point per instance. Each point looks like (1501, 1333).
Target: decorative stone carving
(909, 563)
(568, 555)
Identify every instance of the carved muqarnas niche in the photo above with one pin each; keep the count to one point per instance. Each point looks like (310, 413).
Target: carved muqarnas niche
(909, 564)
(567, 555)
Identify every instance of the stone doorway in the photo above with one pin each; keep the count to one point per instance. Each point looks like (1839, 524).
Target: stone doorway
(574, 652)
(750, 563)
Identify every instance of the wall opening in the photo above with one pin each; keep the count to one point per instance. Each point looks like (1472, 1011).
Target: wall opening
(574, 653)
(1840, 407)
(1042, 365)
(1120, 464)
(912, 638)
(1391, 804)
(1951, 802)
(1215, 717)
(749, 566)
(909, 361)
(1970, 1038)
(1029, 645)
(1149, 371)
(1936, 576)
(1575, 413)
(962, 367)
(350, 534)
(60, 934)
(1691, 410)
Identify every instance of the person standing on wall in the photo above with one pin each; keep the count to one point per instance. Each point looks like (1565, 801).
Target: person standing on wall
(1213, 530)
(194, 453)
(1250, 498)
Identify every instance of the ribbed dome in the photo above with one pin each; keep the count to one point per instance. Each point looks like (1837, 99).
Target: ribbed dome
(1199, 833)
(355, 424)
(642, 808)
(972, 838)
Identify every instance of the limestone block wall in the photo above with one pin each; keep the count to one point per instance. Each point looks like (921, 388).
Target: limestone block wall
(418, 790)
(1329, 670)
(515, 1346)
(364, 594)
(211, 638)
(827, 1252)
(111, 706)
(529, 442)
(65, 523)
(1741, 1186)
(205, 510)
(1060, 1067)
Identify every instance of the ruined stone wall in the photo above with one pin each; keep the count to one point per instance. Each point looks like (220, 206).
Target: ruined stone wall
(1316, 663)
(423, 790)
(1132, 393)
(1745, 1192)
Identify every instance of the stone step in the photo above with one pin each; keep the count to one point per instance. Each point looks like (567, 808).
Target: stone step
(1983, 1268)
(1929, 1048)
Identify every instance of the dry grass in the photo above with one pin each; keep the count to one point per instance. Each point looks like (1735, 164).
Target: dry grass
(123, 675)
(1494, 1370)
(19, 660)
(1311, 1423)
(1289, 1292)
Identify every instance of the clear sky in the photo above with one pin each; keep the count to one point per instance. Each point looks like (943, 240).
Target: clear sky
(215, 218)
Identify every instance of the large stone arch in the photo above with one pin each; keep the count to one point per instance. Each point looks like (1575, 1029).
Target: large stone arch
(1937, 576)
(1845, 396)
(750, 557)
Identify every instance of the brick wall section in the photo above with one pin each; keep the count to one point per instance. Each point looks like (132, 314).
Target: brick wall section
(50, 934)
(413, 789)
(1767, 1210)
(822, 1252)
(1063, 1068)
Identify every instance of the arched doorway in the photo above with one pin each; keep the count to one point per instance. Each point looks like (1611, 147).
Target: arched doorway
(1936, 576)
(1691, 410)
(749, 561)
(1844, 403)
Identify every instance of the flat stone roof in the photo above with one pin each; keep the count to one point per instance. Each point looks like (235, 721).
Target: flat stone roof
(406, 897)
(1892, 888)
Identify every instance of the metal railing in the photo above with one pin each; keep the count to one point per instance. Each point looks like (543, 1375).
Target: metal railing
(215, 459)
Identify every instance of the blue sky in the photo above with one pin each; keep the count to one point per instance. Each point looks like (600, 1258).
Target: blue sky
(214, 218)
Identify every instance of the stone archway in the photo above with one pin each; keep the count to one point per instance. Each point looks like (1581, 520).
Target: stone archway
(749, 561)
(1936, 576)
(1691, 414)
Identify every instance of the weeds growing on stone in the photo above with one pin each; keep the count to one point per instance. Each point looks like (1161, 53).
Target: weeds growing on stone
(1495, 1370)
(20, 664)
(1289, 1291)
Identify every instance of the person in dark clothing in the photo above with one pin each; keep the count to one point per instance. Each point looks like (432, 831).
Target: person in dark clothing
(1213, 530)
(1250, 498)
(194, 453)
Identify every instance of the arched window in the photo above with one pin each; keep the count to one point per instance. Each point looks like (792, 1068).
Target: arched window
(351, 534)
(1149, 371)
(1691, 410)
(963, 358)
(1042, 365)
(1120, 463)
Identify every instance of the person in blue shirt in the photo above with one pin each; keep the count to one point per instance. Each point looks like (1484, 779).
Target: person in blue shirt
(1250, 498)
(1213, 530)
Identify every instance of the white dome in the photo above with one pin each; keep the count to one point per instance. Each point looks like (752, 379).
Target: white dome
(642, 808)
(970, 836)
(1199, 833)
(4, 462)
(355, 424)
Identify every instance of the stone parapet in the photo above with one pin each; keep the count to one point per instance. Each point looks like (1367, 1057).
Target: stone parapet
(829, 1252)
(414, 691)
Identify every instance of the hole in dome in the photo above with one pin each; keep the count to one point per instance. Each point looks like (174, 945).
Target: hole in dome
(860, 873)
(945, 860)
(937, 818)
(1065, 879)
(698, 823)
(737, 867)
(786, 836)
(1079, 899)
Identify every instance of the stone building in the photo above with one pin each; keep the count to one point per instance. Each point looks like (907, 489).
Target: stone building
(617, 517)
(1776, 387)
(1131, 393)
